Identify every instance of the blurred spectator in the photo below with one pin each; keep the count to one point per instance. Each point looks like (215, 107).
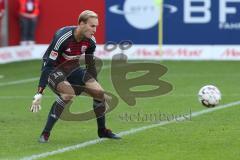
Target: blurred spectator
(2, 10)
(29, 12)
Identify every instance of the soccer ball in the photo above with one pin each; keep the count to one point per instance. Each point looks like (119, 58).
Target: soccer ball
(209, 95)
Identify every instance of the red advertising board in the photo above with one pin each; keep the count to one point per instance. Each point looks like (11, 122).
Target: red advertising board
(55, 14)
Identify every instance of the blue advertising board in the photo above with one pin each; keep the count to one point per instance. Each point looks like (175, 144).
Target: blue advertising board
(184, 21)
(124, 21)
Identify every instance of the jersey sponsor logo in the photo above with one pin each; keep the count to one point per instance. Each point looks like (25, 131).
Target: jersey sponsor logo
(53, 55)
(83, 49)
(67, 57)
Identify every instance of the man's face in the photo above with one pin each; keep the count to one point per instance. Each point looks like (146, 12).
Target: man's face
(89, 28)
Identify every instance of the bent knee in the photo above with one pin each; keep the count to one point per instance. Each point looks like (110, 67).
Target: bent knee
(99, 94)
(67, 97)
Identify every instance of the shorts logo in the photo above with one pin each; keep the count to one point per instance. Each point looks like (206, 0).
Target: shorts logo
(53, 55)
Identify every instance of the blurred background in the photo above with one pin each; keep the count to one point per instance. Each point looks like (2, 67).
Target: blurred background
(169, 29)
(196, 40)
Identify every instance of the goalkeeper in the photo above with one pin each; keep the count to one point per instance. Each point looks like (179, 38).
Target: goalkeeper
(63, 74)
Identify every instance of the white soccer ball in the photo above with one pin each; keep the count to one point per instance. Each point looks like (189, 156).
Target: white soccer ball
(209, 95)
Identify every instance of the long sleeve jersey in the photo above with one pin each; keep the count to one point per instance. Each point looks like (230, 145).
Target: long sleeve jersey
(64, 49)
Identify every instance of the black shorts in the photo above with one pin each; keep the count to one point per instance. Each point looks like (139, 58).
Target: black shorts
(77, 79)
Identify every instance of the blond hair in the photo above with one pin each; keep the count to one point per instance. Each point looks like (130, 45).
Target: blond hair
(85, 15)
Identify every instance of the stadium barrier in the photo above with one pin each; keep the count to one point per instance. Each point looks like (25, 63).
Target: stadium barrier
(136, 52)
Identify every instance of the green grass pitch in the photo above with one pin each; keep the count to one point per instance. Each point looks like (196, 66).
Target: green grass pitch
(214, 135)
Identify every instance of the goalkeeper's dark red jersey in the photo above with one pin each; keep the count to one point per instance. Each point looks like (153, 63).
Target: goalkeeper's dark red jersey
(64, 49)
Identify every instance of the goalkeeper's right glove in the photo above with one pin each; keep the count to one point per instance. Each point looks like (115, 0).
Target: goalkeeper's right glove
(36, 103)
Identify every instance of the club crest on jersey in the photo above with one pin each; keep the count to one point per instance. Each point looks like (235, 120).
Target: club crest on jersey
(83, 49)
(53, 55)
(68, 50)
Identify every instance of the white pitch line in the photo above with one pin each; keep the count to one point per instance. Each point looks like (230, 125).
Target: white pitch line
(174, 95)
(128, 132)
(30, 79)
(19, 81)
(22, 97)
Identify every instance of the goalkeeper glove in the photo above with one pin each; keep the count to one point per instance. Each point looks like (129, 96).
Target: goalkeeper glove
(36, 103)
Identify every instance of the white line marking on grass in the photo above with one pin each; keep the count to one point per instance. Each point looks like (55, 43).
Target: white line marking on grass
(31, 79)
(23, 97)
(19, 81)
(175, 95)
(30, 97)
(128, 132)
(201, 75)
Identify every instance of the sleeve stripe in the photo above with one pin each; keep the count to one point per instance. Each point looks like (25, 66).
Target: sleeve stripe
(94, 39)
(61, 39)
